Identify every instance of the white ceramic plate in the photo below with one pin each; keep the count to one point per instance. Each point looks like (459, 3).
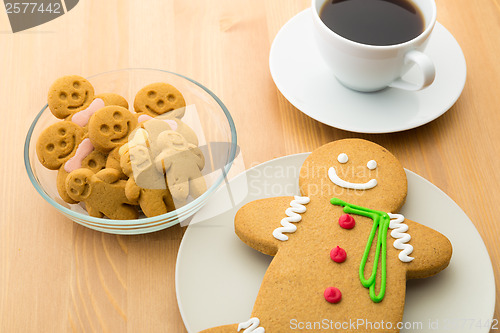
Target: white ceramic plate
(308, 83)
(218, 276)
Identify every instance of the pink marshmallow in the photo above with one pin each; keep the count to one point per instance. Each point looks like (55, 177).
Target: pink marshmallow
(171, 123)
(83, 150)
(82, 118)
(144, 117)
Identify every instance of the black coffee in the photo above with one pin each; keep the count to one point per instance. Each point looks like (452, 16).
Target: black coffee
(373, 22)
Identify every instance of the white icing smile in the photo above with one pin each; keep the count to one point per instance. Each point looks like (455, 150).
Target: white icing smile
(332, 174)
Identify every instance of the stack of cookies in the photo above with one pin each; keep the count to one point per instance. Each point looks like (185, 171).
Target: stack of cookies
(119, 162)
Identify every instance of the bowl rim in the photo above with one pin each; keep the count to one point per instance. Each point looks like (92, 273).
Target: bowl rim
(150, 221)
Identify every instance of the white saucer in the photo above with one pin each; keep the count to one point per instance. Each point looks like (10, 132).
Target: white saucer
(217, 276)
(304, 79)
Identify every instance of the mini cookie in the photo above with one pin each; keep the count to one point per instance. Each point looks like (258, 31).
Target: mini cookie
(150, 190)
(160, 98)
(95, 161)
(103, 193)
(113, 99)
(155, 126)
(182, 163)
(58, 143)
(61, 146)
(84, 157)
(113, 161)
(110, 127)
(69, 95)
(328, 265)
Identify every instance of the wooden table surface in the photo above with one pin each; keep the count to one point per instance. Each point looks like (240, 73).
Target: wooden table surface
(57, 276)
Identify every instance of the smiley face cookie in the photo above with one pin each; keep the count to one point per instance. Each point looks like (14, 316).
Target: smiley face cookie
(110, 127)
(160, 99)
(341, 251)
(58, 143)
(69, 95)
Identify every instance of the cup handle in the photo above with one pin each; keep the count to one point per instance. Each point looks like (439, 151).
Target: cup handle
(425, 65)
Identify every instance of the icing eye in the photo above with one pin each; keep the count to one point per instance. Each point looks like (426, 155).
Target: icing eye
(342, 158)
(371, 165)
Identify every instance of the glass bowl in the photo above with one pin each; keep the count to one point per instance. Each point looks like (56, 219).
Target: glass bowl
(205, 114)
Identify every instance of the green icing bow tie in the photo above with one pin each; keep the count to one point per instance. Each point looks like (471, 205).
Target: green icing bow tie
(381, 223)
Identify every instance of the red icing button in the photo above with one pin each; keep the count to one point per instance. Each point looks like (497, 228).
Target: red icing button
(346, 221)
(332, 295)
(338, 254)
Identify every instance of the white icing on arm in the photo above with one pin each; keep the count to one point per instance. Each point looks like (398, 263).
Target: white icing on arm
(401, 236)
(297, 207)
(251, 326)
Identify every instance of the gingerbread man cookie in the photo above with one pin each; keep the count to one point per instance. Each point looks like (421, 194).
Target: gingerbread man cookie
(103, 193)
(145, 184)
(340, 250)
(182, 163)
(155, 126)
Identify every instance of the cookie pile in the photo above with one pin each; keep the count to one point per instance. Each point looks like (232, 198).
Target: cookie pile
(116, 161)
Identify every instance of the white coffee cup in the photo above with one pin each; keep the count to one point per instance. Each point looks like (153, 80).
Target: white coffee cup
(367, 68)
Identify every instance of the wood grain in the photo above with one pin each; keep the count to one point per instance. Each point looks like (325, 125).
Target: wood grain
(56, 276)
